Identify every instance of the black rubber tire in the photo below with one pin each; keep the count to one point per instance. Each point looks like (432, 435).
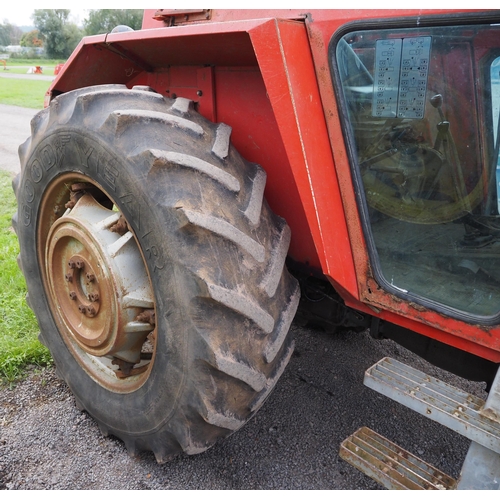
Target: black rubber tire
(215, 254)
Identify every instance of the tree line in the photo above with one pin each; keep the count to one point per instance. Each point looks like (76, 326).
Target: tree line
(59, 36)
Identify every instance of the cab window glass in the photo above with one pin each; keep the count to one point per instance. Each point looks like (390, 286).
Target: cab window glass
(422, 107)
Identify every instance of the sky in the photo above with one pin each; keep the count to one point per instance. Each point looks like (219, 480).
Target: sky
(21, 16)
(20, 13)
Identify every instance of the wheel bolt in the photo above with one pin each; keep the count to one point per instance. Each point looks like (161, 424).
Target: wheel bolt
(69, 277)
(90, 277)
(80, 264)
(94, 297)
(82, 308)
(71, 264)
(72, 295)
(91, 311)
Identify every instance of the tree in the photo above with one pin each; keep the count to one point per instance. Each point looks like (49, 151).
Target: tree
(4, 35)
(60, 37)
(104, 20)
(15, 34)
(10, 34)
(73, 36)
(31, 39)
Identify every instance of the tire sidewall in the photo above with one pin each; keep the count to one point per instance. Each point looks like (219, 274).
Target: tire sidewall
(68, 150)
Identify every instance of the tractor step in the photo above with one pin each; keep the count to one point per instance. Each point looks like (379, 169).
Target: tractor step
(391, 466)
(436, 400)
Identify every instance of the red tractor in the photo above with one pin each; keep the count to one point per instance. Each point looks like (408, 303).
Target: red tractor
(165, 284)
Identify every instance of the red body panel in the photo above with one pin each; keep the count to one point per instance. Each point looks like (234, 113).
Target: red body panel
(266, 73)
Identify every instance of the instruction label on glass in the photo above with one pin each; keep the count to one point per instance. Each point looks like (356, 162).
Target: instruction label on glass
(401, 73)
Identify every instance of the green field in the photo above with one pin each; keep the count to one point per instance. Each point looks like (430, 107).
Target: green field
(25, 93)
(32, 62)
(19, 346)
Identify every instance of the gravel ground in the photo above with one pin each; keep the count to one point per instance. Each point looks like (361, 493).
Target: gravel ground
(46, 443)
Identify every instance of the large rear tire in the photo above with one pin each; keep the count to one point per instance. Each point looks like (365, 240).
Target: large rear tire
(154, 267)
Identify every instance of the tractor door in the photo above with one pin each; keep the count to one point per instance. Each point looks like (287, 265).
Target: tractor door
(421, 109)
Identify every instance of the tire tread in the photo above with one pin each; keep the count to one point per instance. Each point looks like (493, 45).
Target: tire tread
(205, 192)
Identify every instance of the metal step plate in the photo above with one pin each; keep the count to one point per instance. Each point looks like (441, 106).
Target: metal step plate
(391, 466)
(436, 400)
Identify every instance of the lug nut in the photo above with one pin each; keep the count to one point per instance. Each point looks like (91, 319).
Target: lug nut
(90, 277)
(72, 295)
(80, 264)
(82, 308)
(94, 297)
(91, 311)
(69, 278)
(71, 264)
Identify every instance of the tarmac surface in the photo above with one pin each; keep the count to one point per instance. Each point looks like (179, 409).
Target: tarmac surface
(15, 127)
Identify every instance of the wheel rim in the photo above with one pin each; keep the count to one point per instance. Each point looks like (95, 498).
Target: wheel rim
(97, 283)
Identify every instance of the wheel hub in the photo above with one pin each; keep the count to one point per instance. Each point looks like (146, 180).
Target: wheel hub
(84, 288)
(98, 282)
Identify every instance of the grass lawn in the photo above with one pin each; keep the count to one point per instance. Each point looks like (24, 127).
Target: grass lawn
(25, 93)
(19, 344)
(33, 62)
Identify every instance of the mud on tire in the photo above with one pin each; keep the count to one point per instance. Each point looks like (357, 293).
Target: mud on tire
(212, 255)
